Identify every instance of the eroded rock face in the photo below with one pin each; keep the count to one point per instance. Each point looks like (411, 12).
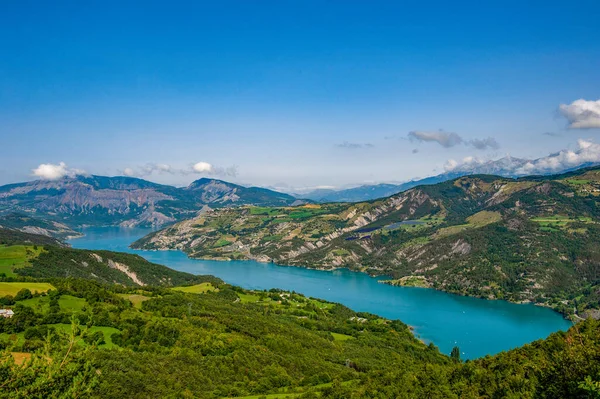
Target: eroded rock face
(97, 200)
(461, 247)
(125, 269)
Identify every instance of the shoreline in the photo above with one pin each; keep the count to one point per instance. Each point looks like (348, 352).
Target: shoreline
(374, 276)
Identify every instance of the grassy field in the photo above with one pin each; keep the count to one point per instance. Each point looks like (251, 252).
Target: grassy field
(107, 331)
(137, 299)
(13, 288)
(259, 210)
(221, 243)
(263, 299)
(16, 256)
(20, 357)
(479, 219)
(341, 337)
(284, 394)
(271, 396)
(578, 182)
(557, 222)
(67, 303)
(196, 289)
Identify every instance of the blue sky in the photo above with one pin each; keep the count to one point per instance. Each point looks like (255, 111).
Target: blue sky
(297, 93)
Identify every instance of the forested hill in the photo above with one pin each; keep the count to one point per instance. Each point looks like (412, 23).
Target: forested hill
(13, 237)
(31, 255)
(83, 339)
(527, 239)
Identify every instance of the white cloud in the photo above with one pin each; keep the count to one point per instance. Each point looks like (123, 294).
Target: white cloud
(467, 162)
(202, 167)
(581, 114)
(148, 169)
(128, 172)
(48, 171)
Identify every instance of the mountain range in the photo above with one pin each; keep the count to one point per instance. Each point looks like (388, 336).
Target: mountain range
(506, 167)
(98, 200)
(55, 207)
(531, 239)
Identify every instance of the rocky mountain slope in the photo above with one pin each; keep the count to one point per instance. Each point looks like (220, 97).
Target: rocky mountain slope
(27, 224)
(98, 200)
(528, 239)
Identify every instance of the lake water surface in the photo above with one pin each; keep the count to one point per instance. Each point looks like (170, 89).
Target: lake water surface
(479, 327)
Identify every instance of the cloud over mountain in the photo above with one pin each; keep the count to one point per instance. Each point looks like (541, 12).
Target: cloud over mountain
(48, 171)
(203, 168)
(581, 114)
(587, 153)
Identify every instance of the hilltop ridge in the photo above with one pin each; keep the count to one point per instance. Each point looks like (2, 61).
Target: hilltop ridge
(128, 201)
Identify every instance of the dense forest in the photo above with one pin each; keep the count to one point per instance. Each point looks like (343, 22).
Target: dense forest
(211, 340)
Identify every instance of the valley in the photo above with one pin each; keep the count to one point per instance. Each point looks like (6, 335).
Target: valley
(479, 327)
(531, 239)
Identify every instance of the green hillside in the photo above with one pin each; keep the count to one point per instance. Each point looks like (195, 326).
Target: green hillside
(529, 239)
(229, 342)
(30, 255)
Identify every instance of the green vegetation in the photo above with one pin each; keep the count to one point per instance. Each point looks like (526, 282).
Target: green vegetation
(341, 337)
(197, 289)
(409, 281)
(102, 266)
(135, 299)
(9, 237)
(16, 256)
(234, 343)
(13, 288)
(559, 221)
(221, 243)
(578, 181)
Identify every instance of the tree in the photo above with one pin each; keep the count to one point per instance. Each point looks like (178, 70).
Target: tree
(455, 354)
(23, 294)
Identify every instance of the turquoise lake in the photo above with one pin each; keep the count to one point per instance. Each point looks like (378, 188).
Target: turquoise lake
(479, 327)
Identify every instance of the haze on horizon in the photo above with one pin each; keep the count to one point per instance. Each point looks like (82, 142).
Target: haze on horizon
(294, 94)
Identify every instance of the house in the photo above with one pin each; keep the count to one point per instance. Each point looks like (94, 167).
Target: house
(7, 313)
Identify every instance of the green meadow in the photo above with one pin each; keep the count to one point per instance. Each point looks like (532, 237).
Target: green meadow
(16, 256)
(14, 288)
